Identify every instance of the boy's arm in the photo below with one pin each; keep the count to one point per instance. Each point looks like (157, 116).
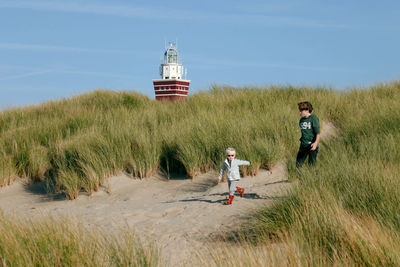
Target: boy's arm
(317, 134)
(315, 144)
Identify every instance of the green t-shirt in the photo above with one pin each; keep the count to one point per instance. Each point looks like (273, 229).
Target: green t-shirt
(309, 129)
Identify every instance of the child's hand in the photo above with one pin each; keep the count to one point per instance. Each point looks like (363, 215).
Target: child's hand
(314, 146)
(218, 181)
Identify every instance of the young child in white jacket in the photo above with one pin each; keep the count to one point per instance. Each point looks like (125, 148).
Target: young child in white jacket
(231, 165)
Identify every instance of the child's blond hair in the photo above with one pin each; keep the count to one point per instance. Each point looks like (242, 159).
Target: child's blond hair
(230, 149)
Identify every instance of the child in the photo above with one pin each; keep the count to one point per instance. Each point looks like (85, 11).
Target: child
(310, 135)
(231, 165)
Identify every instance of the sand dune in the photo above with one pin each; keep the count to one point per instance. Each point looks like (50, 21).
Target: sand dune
(177, 214)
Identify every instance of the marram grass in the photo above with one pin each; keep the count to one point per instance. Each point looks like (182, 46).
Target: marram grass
(75, 144)
(62, 242)
(342, 212)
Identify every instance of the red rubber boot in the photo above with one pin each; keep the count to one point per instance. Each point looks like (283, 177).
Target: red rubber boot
(229, 201)
(240, 191)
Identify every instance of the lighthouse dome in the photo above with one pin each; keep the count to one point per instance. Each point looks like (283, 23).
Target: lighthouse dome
(171, 55)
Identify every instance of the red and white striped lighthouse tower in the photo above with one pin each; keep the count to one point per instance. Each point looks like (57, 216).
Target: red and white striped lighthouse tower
(171, 86)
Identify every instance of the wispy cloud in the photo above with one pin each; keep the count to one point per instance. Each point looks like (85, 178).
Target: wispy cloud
(269, 7)
(55, 48)
(95, 73)
(164, 13)
(24, 72)
(16, 67)
(198, 62)
(24, 75)
(91, 8)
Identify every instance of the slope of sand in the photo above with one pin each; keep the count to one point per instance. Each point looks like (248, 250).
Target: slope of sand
(177, 214)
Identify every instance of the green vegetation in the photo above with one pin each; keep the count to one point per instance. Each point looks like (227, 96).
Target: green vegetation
(62, 242)
(75, 144)
(345, 211)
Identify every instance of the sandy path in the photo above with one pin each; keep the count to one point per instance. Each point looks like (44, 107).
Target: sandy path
(175, 213)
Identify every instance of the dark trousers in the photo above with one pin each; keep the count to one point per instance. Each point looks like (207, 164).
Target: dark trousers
(305, 152)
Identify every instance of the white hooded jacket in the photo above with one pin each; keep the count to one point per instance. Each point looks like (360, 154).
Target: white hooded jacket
(232, 170)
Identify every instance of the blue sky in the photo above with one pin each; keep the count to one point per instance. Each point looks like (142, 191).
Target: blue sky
(55, 49)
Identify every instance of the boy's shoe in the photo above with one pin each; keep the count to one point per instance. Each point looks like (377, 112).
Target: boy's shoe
(240, 191)
(229, 201)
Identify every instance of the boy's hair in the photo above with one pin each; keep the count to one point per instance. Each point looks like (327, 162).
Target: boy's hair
(305, 106)
(230, 149)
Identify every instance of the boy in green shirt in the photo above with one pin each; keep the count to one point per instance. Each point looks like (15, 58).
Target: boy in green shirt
(310, 135)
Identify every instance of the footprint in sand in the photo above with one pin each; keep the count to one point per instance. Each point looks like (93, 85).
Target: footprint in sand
(173, 210)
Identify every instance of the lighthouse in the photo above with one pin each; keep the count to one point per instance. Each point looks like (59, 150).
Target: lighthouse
(171, 86)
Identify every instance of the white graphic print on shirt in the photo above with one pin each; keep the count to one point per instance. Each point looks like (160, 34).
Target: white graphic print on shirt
(305, 125)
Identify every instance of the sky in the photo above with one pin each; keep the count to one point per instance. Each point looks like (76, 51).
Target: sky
(57, 49)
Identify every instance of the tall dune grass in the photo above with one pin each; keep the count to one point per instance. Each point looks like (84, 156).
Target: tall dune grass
(74, 144)
(344, 211)
(61, 242)
(323, 235)
(346, 208)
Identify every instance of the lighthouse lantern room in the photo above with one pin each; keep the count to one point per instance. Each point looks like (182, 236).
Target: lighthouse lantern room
(171, 86)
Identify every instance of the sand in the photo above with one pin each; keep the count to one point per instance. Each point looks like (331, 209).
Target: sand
(177, 213)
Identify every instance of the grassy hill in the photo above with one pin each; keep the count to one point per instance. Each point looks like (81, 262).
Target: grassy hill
(343, 211)
(75, 144)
